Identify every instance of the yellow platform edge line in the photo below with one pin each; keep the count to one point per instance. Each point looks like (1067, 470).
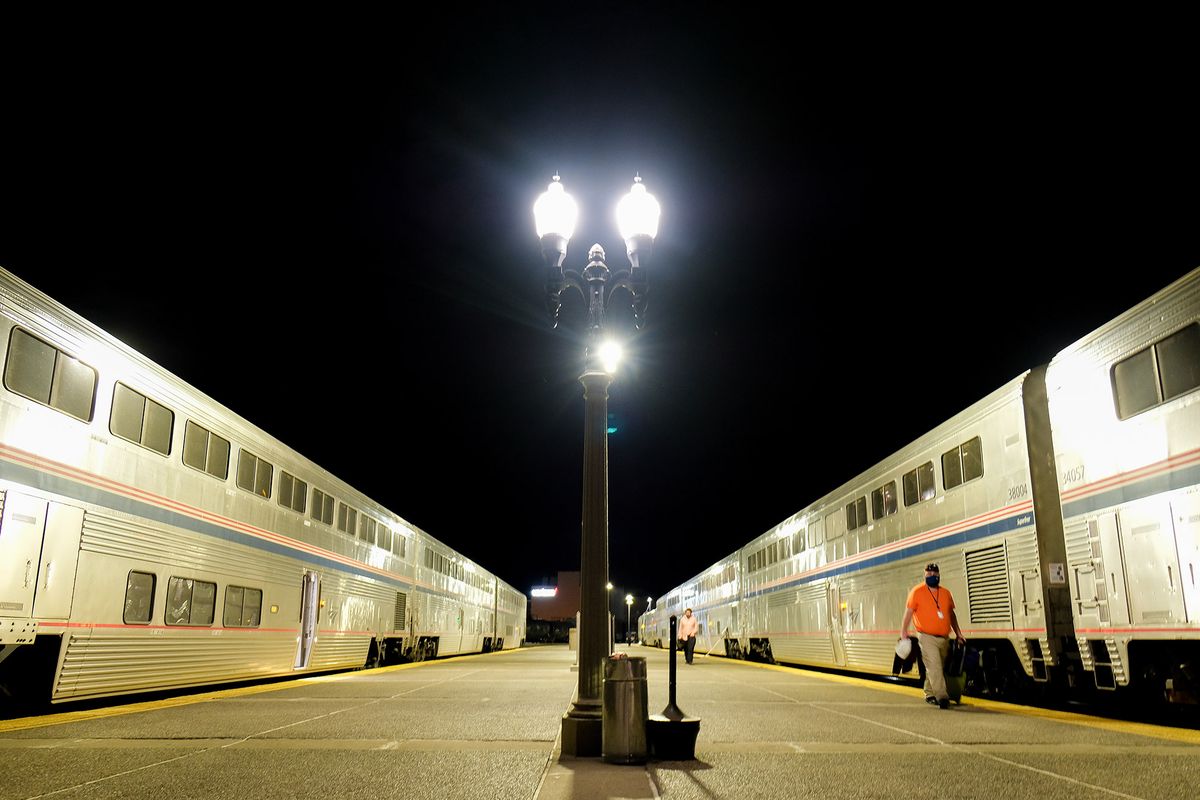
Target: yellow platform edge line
(68, 717)
(1181, 735)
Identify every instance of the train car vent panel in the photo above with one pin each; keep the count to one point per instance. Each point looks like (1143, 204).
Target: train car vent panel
(401, 610)
(987, 586)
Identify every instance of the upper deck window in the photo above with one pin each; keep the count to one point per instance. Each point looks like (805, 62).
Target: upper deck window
(254, 474)
(347, 519)
(1161, 372)
(322, 506)
(883, 500)
(366, 529)
(47, 375)
(205, 451)
(141, 420)
(293, 492)
(918, 484)
(856, 514)
(963, 463)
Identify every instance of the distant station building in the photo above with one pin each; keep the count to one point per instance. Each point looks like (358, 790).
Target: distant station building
(552, 608)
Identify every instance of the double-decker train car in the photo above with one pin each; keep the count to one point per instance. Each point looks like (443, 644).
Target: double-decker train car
(1063, 510)
(150, 538)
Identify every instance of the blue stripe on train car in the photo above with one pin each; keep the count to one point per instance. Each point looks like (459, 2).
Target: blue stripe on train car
(1005, 525)
(99, 497)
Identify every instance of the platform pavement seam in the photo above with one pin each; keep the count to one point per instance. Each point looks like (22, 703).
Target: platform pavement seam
(958, 748)
(1180, 735)
(244, 739)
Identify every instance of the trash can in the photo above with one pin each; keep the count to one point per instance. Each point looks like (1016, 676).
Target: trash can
(624, 714)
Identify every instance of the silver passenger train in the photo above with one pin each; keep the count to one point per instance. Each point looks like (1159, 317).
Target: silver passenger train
(152, 539)
(1063, 510)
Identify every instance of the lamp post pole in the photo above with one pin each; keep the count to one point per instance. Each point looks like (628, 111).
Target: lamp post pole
(628, 608)
(555, 213)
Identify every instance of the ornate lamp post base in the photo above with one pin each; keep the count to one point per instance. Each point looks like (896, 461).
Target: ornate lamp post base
(582, 735)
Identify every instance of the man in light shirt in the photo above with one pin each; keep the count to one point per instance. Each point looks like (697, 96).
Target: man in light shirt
(688, 626)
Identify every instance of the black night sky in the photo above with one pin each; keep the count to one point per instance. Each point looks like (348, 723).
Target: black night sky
(863, 232)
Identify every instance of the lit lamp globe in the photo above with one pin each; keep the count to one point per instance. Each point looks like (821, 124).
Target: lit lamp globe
(610, 358)
(637, 219)
(554, 216)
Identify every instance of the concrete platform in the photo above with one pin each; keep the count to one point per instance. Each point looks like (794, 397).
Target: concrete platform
(488, 727)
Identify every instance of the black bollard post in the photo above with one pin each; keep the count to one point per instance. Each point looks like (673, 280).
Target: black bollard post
(672, 711)
(672, 733)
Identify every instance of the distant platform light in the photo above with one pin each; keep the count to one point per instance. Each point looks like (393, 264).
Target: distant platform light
(551, 591)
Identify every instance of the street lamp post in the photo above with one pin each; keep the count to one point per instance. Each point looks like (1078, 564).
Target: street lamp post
(555, 213)
(628, 608)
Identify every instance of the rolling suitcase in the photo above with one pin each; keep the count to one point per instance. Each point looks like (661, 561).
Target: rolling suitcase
(955, 685)
(956, 676)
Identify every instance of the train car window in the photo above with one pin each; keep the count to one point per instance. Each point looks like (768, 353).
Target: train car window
(190, 602)
(366, 530)
(797, 542)
(385, 537)
(1136, 384)
(243, 607)
(322, 506)
(972, 459)
(293, 492)
(347, 520)
(1179, 362)
(951, 469)
(963, 463)
(47, 375)
(816, 531)
(138, 419)
(1159, 373)
(919, 485)
(158, 427)
(883, 500)
(856, 513)
(139, 598)
(254, 474)
(205, 451)
(398, 544)
(74, 390)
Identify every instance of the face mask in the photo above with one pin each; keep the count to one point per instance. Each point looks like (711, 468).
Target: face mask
(931, 581)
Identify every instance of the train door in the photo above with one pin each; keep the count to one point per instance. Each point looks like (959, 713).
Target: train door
(836, 630)
(461, 632)
(39, 549)
(1186, 513)
(1155, 588)
(310, 612)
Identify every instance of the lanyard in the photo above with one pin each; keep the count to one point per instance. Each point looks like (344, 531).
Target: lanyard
(935, 597)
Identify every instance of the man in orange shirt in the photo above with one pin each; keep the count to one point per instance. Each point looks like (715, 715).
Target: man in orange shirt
(931, 606)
